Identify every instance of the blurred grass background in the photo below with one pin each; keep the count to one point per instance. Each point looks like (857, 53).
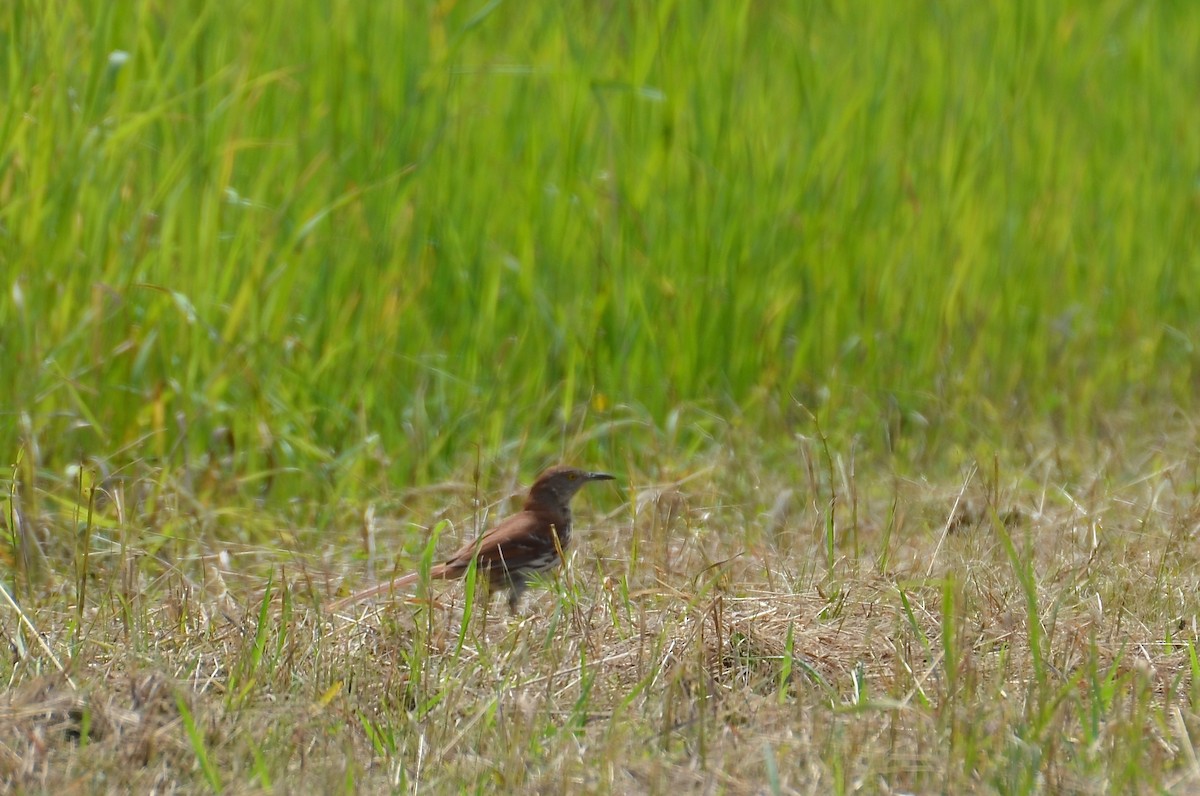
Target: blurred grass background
(353, 243)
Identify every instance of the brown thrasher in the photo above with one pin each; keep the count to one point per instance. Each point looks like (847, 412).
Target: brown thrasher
(527, 542)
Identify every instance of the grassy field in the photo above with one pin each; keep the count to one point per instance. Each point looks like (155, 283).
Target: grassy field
(884, 314)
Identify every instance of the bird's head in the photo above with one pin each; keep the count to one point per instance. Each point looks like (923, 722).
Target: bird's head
(556, 486)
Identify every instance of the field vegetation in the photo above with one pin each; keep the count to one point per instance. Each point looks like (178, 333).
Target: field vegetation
(884, 315)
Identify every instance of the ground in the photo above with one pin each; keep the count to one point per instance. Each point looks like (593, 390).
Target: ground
(737, 628)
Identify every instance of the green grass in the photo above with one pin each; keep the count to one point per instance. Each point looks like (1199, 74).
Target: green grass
(884, 313)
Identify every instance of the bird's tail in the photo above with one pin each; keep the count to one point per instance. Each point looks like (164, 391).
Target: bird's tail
(438, 572)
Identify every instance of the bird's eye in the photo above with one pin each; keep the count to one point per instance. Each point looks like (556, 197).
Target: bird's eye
(572, 476)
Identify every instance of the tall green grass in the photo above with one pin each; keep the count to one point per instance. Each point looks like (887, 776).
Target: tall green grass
(344, 241)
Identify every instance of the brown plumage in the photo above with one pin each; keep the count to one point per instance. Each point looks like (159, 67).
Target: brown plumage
(521, 545)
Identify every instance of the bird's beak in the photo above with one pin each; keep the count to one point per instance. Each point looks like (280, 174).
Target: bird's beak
(601, 477)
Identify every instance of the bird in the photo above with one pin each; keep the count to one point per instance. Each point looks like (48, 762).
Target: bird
(528, 542)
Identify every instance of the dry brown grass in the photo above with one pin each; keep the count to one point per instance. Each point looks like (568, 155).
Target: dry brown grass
(1010, 629)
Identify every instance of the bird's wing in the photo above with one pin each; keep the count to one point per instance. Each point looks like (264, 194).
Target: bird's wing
(520, 539)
